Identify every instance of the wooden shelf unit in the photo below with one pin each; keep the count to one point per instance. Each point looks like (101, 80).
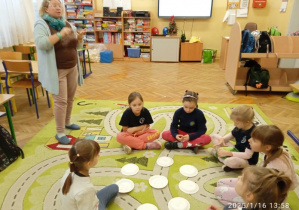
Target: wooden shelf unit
(280, 78)
(108, 31)
(77, 14)
(136, 31)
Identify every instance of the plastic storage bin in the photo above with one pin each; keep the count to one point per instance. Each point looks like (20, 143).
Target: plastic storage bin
(134, 52)
(106, 56)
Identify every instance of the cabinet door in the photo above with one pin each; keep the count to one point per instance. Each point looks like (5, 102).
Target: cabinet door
(165, 49)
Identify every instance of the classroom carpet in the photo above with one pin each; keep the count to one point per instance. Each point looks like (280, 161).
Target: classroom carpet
(34, 182)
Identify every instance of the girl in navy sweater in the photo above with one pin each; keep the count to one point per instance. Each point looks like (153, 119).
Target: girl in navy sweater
(188, 126)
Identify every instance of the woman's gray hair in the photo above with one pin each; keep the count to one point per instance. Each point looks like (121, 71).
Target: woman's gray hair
(44, 5)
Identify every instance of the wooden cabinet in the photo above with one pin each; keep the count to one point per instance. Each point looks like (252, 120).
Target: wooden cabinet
(191, 51)
(165, 49)
(280, 78)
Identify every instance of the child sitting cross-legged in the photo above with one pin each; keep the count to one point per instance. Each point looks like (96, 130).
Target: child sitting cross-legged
(240, 155)
(188, 126)
(136, 132)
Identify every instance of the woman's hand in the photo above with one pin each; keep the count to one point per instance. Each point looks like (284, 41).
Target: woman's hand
(81, 33)
(65, 31)
(224, 153)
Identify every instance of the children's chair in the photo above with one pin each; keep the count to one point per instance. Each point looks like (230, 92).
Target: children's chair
(23, 67)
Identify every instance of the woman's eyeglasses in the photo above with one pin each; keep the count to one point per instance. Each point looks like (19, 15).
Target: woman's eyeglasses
(55, 6)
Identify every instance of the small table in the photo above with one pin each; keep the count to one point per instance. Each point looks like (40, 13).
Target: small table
(4, 99)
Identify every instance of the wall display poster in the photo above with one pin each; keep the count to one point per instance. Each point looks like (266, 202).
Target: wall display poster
(233, 4)
(283, 6)
(113, 4)
(243, 10)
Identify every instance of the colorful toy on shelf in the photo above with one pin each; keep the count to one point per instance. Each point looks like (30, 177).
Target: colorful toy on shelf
(155, 31)
(165, 31)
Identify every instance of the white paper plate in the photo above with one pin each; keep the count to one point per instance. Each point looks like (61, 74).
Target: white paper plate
(129, 169)
(178, 203)
(188, 170)
(125, 185)
(165, 161)
(147, 206)
(188, 186)
(158, 181)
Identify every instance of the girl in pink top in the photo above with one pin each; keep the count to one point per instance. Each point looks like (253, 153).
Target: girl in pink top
(269, 140)
(261, 189)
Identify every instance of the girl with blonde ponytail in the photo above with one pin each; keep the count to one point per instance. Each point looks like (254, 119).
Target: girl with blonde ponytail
(261, 189)
(78, 192)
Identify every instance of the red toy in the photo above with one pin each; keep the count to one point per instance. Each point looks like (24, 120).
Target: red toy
(155, 31)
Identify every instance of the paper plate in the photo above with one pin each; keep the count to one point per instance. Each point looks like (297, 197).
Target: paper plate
(188, 170)
(165, 161)
(178, 203)
(147, 206)
(188, 186)
(158, 181)
(129, 169)
(125, 185)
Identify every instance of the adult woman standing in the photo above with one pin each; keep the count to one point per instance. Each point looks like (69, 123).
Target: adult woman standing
(56, 42)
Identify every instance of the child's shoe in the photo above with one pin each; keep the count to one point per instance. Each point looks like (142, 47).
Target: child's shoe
(153, 145)
(195, 149)
(72, 127)
(229, 169)
(171, 145)
(127, 149)
(63, 140)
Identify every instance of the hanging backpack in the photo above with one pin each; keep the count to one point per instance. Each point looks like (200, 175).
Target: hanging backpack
(256, 76)
(248, 42)
(274, 31)
(9, 151)
(256, 34)
(264, 43)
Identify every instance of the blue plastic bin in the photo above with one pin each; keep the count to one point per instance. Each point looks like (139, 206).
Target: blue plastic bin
(134, 52)
(106, 56)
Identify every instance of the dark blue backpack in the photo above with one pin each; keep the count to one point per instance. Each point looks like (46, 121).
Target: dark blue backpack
(248, 42)
(9, 151)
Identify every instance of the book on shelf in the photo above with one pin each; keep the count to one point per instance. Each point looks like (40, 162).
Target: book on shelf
(111, 38)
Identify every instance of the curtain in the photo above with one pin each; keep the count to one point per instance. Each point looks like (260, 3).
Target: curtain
(16, 22)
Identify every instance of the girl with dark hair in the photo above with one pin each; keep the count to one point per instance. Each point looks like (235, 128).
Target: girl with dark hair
(135, 122)
(78, 192)
(188, 126)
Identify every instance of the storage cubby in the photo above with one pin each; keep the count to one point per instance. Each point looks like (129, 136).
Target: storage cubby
(280, 78)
